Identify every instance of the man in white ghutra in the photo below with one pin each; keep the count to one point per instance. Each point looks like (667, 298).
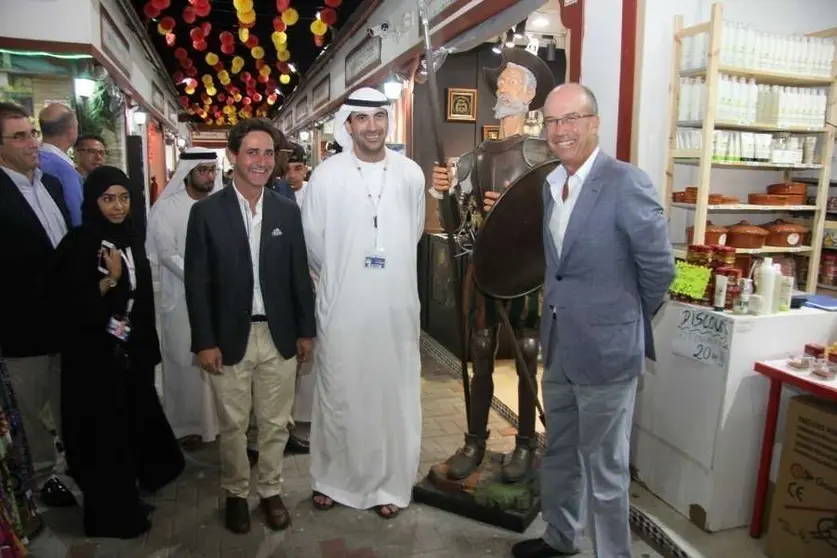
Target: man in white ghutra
(363, 218)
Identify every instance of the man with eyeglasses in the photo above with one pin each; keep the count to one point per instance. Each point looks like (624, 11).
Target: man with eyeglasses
(33, 219)
(59, 127)
(609, 264)
(187, 395)
(90, 153)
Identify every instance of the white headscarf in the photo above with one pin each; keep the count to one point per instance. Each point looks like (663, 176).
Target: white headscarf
(366, 100)
(191, 159)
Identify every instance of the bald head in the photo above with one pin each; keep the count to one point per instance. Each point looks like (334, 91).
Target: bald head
(59, 125)
(571, 114)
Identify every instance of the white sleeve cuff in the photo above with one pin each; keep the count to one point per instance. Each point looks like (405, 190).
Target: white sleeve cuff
(436, 194)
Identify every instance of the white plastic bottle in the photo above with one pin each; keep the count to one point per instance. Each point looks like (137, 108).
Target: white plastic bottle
(752, 100)
(778, 279)
(767, 286)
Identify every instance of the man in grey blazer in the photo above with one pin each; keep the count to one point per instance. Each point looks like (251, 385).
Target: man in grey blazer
(609, 265)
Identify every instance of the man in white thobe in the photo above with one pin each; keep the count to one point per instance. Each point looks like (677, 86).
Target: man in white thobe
(363, 217)
(187, 395)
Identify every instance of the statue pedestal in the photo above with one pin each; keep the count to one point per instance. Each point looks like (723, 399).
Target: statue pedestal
(483, 496)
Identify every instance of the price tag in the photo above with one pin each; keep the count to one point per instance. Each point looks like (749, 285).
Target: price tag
(703, 336)
(690, 280)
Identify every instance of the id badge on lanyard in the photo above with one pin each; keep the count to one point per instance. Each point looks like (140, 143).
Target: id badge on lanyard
(120, 325)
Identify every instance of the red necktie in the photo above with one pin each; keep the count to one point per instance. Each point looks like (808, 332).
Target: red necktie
(566, 191)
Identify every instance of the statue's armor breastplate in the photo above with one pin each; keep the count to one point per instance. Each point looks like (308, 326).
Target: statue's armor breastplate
(496, 163)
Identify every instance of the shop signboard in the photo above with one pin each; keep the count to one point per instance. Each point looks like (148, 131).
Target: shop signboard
(301, 110)
(157, 100)
(321, 94)
(114, 43)
(703, 336)
(362, 59)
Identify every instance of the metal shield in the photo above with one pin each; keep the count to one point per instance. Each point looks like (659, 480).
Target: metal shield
(508, 255)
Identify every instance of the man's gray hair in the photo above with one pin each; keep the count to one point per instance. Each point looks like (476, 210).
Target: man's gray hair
(58, 127)
(531, 80)
(592, 103)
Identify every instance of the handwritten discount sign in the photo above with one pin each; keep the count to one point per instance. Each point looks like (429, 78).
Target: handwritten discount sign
(690, 280)
(703, 336)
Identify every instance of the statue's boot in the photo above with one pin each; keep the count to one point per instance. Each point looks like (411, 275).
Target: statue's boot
(468, 458)
(519, 463)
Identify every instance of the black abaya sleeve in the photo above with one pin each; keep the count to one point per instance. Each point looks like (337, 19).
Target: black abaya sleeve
(82, 306)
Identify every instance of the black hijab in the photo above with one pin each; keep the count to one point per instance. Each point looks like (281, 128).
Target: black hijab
(123, 234)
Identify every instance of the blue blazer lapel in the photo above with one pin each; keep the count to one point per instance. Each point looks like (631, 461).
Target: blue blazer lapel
(548, 241)
(235, 220)
(271, 220)
(584, 205)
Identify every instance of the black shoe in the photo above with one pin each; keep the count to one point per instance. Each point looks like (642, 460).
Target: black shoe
(297, 446)
(252, 457)
(237, 515)
(55, 495)
(537, 548)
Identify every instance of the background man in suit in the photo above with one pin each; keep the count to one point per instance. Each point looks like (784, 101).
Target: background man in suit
(33, 220)
(251, 310)
(609, 265)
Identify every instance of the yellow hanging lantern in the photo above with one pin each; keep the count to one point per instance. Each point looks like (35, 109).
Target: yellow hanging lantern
(247, 17)
(238, 61)
(238, 97)
(225, 79)
(318, 27)
(211, 91)
(290, 16)
(265, 71)
(284, 79)
(243, 34)
(283, 55)
(211, 58)
(257, 52)
(279, 37)
(190, 91)
(206, 78)
(243, 5)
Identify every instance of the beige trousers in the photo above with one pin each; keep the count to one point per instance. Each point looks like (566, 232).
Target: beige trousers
(37, 386)
(262, 382)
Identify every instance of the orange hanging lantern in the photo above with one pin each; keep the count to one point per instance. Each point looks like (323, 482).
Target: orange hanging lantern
(319, 40)
(290, 16)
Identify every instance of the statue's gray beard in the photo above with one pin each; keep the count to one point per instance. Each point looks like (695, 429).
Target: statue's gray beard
(505, 107)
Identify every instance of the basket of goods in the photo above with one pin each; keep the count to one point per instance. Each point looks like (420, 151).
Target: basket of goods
(715, 234)
(746, 235)
(785, 234)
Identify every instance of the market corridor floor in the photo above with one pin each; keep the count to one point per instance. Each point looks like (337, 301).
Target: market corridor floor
(188, 523)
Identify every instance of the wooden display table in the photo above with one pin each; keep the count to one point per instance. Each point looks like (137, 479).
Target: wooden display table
(780, 373)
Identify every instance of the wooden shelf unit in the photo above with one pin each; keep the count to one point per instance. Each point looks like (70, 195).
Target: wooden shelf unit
(703, 157)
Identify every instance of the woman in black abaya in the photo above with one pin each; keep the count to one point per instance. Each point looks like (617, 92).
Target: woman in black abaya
(116, 436)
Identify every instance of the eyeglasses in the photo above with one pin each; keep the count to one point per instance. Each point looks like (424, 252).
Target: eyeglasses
(206, 170)
(569, 120)
(23, 136)
(99, 152)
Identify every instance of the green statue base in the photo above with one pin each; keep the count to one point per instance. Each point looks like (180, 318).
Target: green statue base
(483, 496)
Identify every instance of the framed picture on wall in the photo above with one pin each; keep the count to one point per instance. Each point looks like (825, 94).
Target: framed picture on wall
(490, 132)
(462, 105)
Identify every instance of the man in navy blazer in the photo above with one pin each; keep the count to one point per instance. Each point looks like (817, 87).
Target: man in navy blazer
(609, 265)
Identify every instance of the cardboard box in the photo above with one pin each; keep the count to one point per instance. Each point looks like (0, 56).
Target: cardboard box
(803, 517)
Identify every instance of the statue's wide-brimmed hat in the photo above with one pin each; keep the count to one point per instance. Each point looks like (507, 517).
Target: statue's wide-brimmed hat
(521, 57)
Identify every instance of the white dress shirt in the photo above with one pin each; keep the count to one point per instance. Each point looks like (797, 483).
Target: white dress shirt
(253, 226)
(563, 210)
(41, 202)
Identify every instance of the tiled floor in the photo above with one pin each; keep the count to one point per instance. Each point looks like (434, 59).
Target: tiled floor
(187, 522)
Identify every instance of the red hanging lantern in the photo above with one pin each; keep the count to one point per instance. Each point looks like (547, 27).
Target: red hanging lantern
(226, 37)
(262, 79)
(167, 23)
(228, 48)
(177, 76)
(218, 67)
(283, 67)
(333, 3)
(171, 39)
(181, 54)
(257, 97)
(282, 5)
(161, 4)
(319, 40)
(328, 16)
(196, 34)
(189, 15)
(150, 11)
(202, 10)
(260, 64)
(200, 46)
(206, 27)
(279, 25)
(191, 71)
(246, 100)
